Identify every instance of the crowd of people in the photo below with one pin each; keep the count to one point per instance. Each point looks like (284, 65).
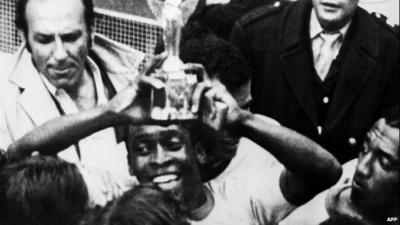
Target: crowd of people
(297, 119)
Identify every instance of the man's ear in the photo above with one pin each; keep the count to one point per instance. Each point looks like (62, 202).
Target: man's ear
(91, 37)
(201, 155)
(24, 39)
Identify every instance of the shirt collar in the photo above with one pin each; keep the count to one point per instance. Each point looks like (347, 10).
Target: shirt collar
(97, 81)
(316, 29)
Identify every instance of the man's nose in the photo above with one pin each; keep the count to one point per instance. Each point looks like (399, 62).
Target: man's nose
(364, 165)
(60, 52)
(160, 156)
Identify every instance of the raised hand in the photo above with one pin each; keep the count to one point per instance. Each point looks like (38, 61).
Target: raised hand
(219, 108)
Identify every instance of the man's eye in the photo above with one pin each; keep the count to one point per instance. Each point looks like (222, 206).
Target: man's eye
(142, 149)
(44, 39)
(385, 162)
(71, 37)
(174, 144)
(364, 149)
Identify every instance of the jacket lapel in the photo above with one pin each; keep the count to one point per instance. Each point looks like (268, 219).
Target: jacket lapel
(33, 99)
(121, 64)
(361, 46)
(296, 57)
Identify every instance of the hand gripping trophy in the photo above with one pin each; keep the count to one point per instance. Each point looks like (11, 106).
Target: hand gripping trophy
(173, 102)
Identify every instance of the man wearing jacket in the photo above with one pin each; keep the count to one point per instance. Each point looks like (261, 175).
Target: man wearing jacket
(63, 69)
(325, 68)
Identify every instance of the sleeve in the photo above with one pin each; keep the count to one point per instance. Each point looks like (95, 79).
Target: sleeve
(103, 185)
(315, 211)
(5, 137)
(268, 205)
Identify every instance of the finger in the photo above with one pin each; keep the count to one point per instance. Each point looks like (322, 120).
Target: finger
(154, 63)
(197, 94)
(221, 93)
(197, 69)
(152, 82)
(208, 105)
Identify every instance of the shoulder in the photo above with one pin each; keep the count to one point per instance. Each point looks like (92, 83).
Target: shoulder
(263, 12)
(378, 24)
(385, 23)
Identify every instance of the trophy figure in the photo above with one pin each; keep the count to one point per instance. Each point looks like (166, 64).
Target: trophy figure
(172, 102)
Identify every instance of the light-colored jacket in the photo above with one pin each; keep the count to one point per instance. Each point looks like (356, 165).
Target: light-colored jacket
(25, 102)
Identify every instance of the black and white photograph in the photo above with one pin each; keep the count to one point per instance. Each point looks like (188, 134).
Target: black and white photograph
(199, 112)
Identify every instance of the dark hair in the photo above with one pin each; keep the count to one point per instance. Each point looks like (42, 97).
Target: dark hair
(143, 205)
(392, 116)
(219, 57)
(21, 22)
(41, 191)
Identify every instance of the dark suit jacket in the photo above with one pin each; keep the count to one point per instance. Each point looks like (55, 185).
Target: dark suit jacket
(276, 42)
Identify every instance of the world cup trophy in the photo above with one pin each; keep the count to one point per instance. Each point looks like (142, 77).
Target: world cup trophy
(173, 101)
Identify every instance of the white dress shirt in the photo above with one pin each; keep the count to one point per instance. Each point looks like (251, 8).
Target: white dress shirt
(317, 41)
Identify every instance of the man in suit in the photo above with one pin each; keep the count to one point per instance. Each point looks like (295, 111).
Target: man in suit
(325, 68)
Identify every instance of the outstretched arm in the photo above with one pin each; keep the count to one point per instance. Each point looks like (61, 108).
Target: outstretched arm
(309, 168)
(61, 132)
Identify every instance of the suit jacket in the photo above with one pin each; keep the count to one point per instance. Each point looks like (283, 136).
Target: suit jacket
(26, 103)
(276, 41)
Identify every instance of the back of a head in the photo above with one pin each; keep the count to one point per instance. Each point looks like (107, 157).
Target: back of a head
(392, 116)
(146, 205)
(219, 57)
(41, 191)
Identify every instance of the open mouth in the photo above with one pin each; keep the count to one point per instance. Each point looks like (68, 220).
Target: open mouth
(167, 181)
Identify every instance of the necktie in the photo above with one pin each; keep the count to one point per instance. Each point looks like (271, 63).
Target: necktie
(330, 43)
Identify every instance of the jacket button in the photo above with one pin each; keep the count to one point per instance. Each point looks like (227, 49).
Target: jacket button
(319, 129)
(325, 100)
(352, 141)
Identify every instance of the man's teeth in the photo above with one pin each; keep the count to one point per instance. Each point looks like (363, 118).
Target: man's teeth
(165, 178)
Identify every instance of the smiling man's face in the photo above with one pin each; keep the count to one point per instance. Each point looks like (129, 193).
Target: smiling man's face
(334, 14)
(376, 180)
(163, 155)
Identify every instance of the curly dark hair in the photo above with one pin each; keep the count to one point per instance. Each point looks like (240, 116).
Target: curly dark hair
(392, 116)
(220, 58)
